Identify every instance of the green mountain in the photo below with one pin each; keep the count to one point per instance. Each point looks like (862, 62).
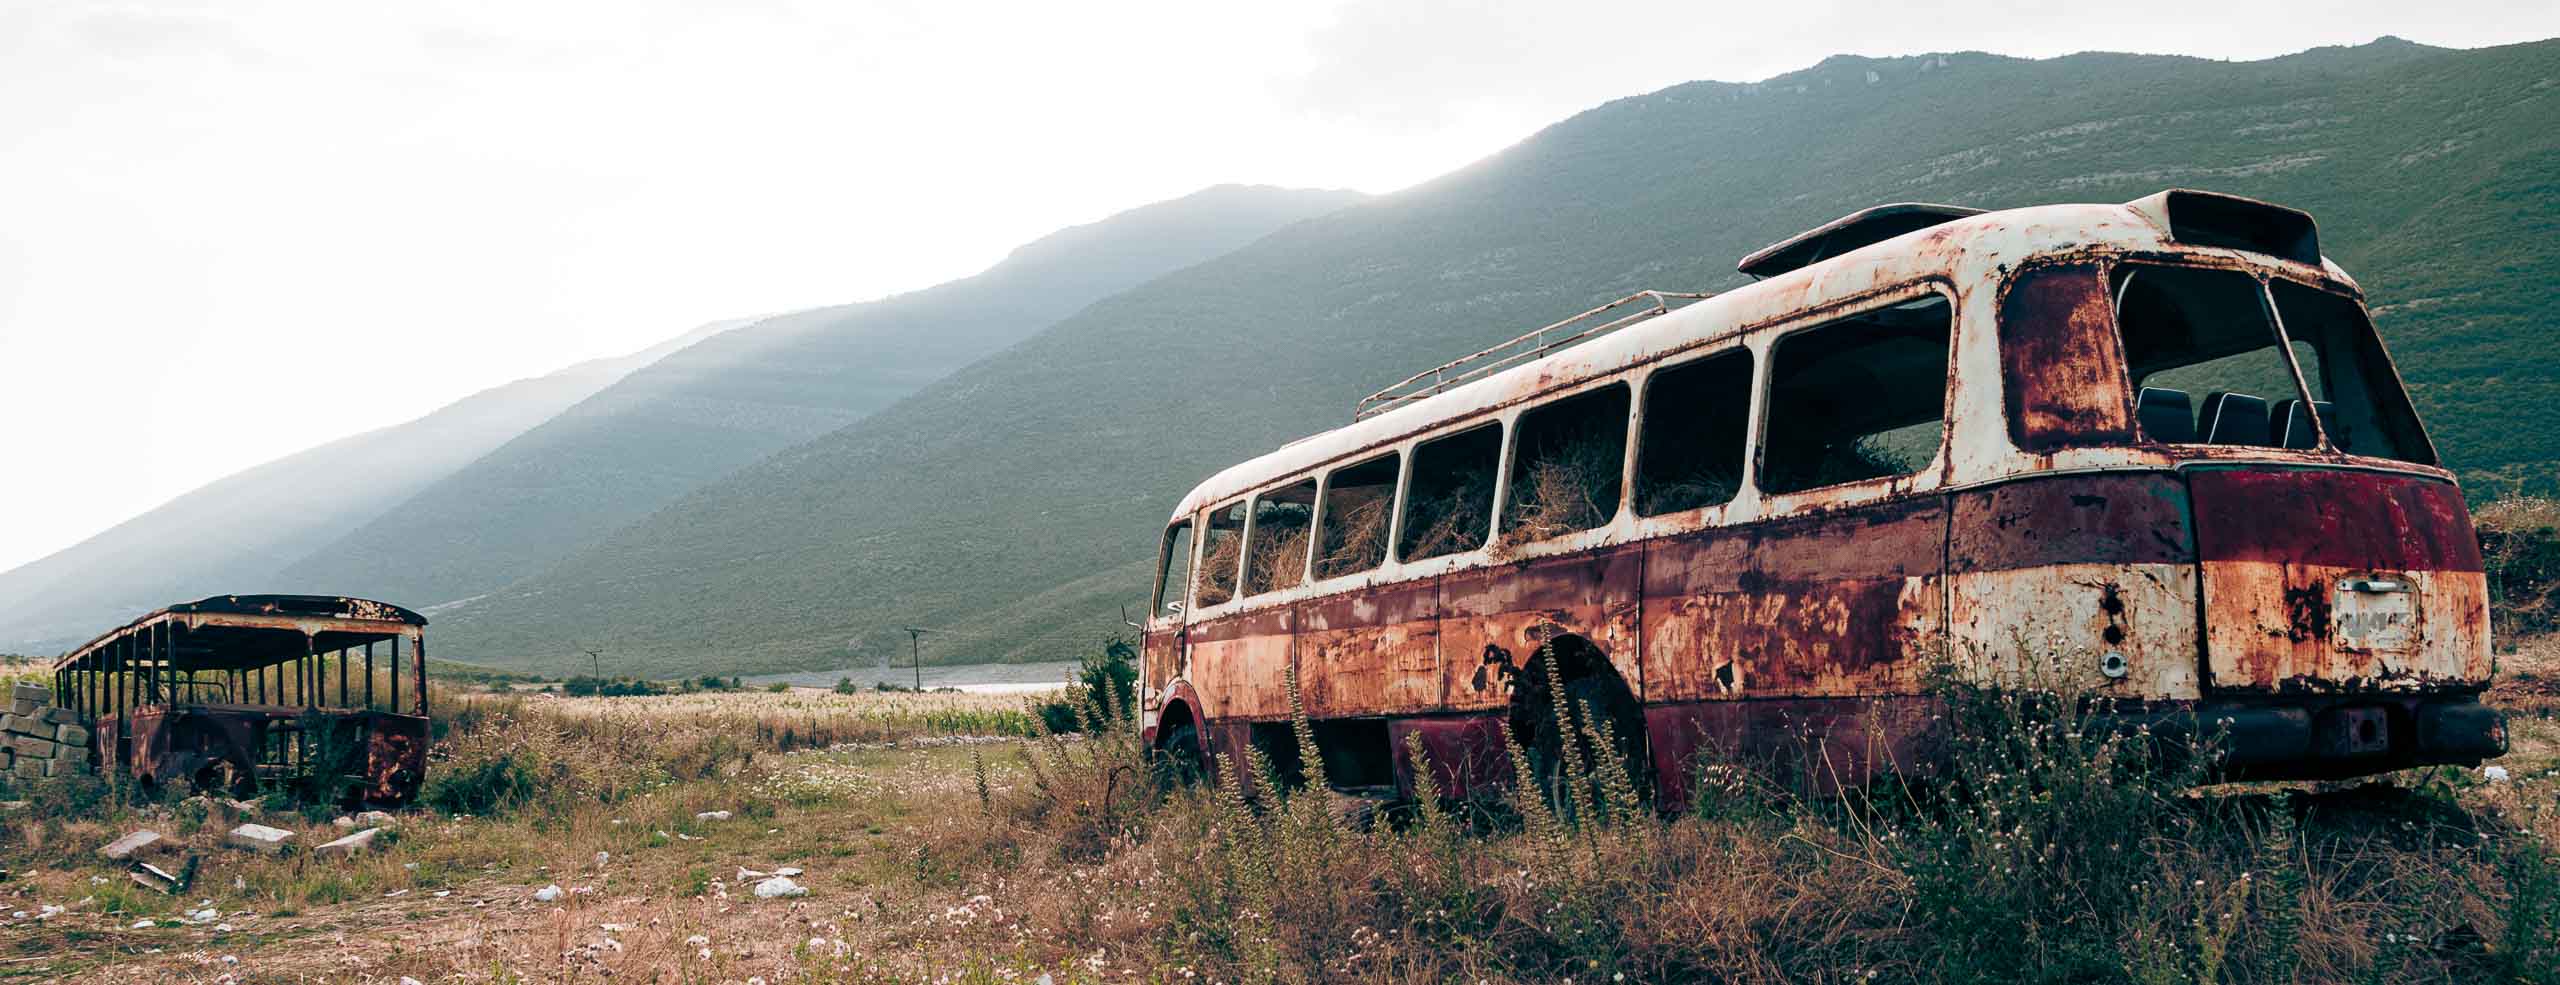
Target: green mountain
(234, 534)
(1013, 505)
(703, 412)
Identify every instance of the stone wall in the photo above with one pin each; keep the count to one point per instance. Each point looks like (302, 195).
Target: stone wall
(39, 739)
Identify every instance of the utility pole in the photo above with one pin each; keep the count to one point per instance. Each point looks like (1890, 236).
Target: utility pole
(915, 639)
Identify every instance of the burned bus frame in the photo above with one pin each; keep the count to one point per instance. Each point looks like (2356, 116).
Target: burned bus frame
(240, 692)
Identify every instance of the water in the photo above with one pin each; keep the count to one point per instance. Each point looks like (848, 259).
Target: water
(979, 678)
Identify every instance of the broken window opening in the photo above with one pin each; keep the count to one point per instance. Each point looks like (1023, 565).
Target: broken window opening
(1173, 569)
(1692, 447)
(1222, 555)
(1356, 501)
(2355, 393)
(1568, 465)
(1277, 544)
(1858, 399)
(2205, 360)
(1450, 506)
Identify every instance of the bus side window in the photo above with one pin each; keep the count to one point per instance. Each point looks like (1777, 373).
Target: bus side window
(1568, 465)
(1276, 547)
(1450, 507)
(1356, 501)
(1857, 399)
(1222, 555)
(1173, 569)
(1691, 452)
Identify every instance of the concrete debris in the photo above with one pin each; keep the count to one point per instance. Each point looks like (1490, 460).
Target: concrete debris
(260, 838)
(712, 816)
(133, 843)
(349, 846)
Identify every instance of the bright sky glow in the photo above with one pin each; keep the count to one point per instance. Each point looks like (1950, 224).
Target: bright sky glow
(284, 221)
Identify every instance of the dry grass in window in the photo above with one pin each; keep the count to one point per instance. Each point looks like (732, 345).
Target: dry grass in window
(1453, 521)
(1279, 552)
(1356, 538)
(1218, 567)
(1569, 487)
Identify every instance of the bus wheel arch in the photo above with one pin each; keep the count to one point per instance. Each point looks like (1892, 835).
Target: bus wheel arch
(1180, 746)
(1590, 681)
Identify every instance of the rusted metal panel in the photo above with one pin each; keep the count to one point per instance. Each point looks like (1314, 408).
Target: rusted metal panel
(2076, 581)
(1372, 652)
(2063, 359)
(1239, 664)
(1841, 604)
(1465, 752)
(2279, 550)
(395, 756)
(1492, 619)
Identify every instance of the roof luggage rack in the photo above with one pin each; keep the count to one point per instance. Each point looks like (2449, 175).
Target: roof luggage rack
(1477, 365)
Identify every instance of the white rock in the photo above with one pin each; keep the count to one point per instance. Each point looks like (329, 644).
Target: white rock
(786, 871)
(375, 819)
(602, 858)
(2494, 774)
(779, 886)
(143, 925)
(749, 875)
(712, 816)
(205, 916)
(548, 894)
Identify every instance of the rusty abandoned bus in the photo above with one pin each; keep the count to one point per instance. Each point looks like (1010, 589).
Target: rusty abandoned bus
(2153, 450)
(242, 693)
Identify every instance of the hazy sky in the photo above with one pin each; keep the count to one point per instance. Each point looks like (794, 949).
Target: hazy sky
(270, 223)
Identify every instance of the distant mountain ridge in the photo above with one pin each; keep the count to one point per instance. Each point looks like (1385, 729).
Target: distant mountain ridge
(238, 532)
(1013, 504)
(700, 413)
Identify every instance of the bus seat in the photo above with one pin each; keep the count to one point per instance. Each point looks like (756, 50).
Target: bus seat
(2167, 415)
(2235, 419)
(2292, 422)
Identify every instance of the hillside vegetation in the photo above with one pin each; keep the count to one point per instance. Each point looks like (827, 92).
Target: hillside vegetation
(704, 411)
(1013, 505)
(236, 534)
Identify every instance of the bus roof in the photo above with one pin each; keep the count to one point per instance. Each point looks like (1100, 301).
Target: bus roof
(232, 632)
(1966, 249)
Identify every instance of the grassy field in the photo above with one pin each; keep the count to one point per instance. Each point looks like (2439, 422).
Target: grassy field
(938, 843)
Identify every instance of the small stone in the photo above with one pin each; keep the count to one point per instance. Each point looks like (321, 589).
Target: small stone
(712, 816)
(779, 886)
(144, 924)
(260, 838)
(343, 823)
(349, 846)
(375, 819)
(602, 858)
(749, 875)
(205, 916)
(2494, 774)
(548, 894)
(132, 843)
